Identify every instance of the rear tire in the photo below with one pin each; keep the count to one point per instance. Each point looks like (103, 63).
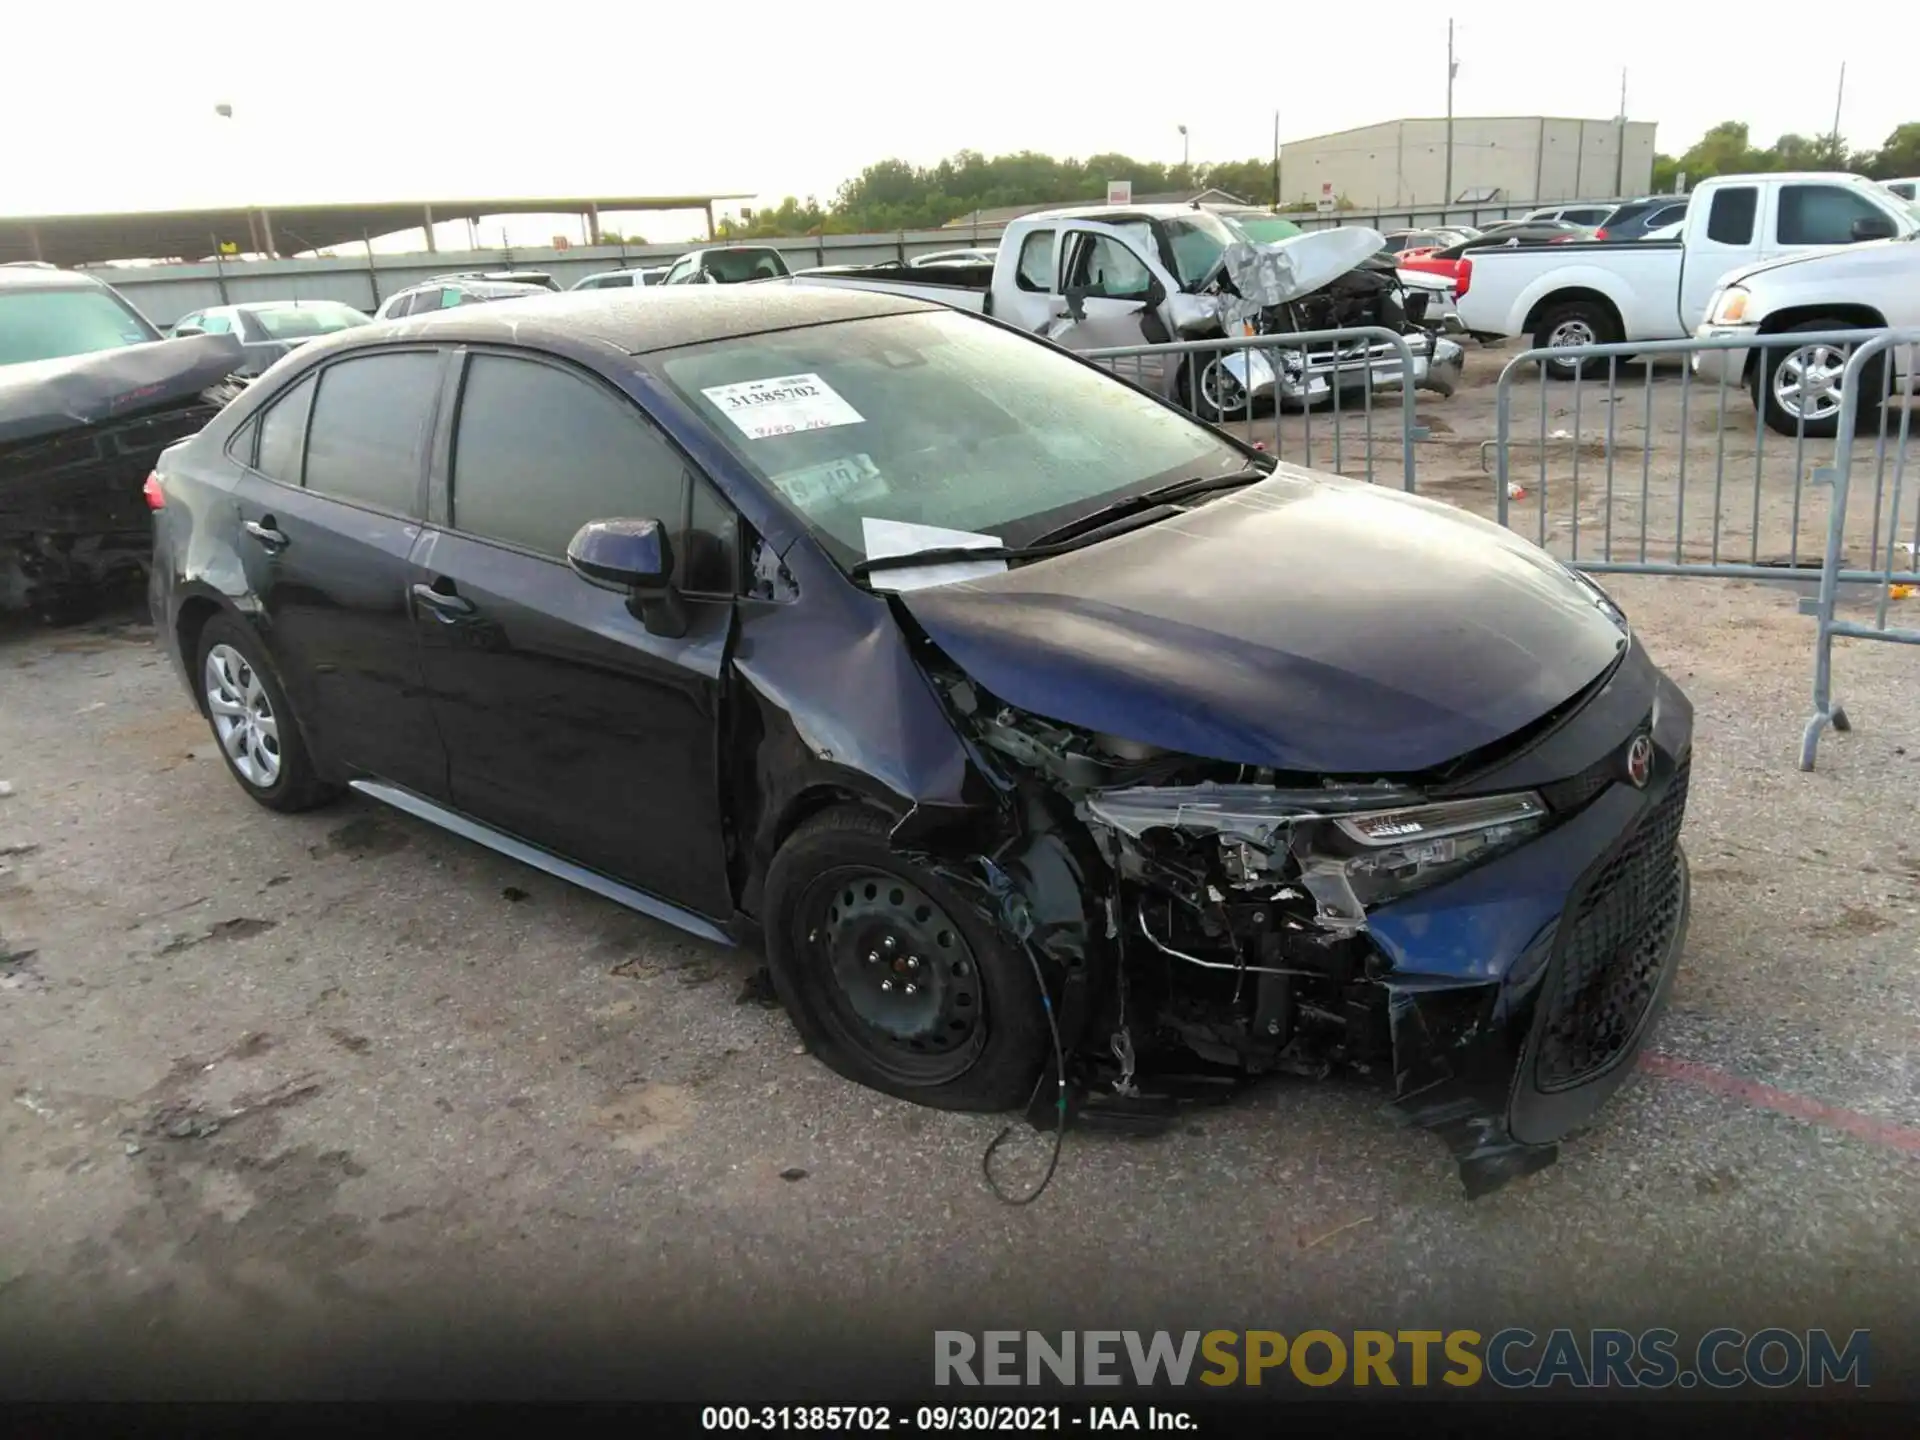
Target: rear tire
(1810, 379)
(892, 977)
(253, 721)
(1576, 322)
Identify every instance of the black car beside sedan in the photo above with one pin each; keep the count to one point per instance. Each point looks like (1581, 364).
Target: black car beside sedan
(1048, 740)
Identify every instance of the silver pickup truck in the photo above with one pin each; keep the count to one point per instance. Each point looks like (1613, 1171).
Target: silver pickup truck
(1095, 277)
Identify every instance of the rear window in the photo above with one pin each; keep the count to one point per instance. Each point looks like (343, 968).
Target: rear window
(367, 440)
(731, 267)
(301, 322)
(52, 324)
(1730, 221)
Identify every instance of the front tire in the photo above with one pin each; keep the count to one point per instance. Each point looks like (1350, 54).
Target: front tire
(253, 721)
(1791, 384)
(1212, 392)
(892, 977)
(1576, 323)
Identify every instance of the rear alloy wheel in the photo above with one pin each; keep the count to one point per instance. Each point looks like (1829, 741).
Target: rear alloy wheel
(892, 978)
(253, 722)
(1217, 393)
(1798, 390)
(1571, 325)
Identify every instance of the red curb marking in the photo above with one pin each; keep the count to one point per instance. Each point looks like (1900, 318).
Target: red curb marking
(1800, 1107)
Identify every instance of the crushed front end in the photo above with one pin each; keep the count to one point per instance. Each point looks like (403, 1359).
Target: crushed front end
(78, 438)
(1492, 941)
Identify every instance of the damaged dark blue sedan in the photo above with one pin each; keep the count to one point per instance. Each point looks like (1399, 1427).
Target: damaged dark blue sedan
(1049, 741)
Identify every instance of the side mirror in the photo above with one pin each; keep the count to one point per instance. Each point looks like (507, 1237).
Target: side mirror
(634, 556)
(1156, 293)
(1874, 227)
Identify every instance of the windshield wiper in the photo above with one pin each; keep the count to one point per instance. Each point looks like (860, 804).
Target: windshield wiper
(1160, 495)
(952, 555)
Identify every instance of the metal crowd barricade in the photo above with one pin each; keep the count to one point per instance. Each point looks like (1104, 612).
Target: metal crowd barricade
(1348, 361)
(1893, 569)
(1726, 497)
(1758, 522)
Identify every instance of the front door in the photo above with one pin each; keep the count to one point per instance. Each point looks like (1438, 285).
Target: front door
(330, 506)
(568, 723)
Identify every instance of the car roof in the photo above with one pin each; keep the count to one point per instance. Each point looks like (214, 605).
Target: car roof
(638, 324)
(1162, 211)
(32, 275)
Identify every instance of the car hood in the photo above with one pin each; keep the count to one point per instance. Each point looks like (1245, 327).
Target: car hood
(1867, 257)
(43, 397)
(1307, 623)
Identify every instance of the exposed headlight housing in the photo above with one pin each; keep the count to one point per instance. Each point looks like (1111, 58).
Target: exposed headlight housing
(1396, 852)
(1729, 306)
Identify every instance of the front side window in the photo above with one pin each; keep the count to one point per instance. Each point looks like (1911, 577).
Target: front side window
(934, 419)
(216, 324)
(372, 419)
(681, 272)
(53, 324)
(1107, 269)
(540, 451)
(1822, 214)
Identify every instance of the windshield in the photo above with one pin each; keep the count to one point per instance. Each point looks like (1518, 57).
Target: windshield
(1265, 229)
(301, 322)
(934, 419)
(51, 324)
(1197, 240)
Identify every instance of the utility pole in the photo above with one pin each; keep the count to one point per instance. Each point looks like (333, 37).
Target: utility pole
(1276, 159)
(1840, 95)
(1184, 150)
(1620, 146)
(1453, 69)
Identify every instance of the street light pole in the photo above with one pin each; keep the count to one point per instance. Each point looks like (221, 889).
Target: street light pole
(1184, 150)
(1620, 146)
(1453, 68)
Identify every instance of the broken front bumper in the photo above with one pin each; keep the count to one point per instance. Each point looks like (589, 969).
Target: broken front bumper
(1313, 375)
(1520, 996)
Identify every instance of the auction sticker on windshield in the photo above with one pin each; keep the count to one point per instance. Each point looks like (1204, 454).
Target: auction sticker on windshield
(852, 477)
(782, 405)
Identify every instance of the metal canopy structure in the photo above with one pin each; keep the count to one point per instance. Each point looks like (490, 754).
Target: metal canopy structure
(291, 229)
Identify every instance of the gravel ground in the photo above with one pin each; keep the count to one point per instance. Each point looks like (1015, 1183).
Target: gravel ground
(339, 1104)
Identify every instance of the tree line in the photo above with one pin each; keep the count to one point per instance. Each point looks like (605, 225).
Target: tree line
(894, 195)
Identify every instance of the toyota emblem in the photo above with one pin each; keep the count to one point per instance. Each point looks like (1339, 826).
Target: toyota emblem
(1640, 761)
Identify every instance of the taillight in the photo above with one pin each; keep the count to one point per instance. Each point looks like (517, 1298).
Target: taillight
(1462, 277)
(1601, 233)
(156, 497)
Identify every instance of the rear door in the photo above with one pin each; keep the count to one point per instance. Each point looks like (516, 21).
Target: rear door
(568, 723)
(331, 504)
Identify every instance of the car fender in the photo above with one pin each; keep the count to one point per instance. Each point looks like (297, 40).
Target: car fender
(1543, 288)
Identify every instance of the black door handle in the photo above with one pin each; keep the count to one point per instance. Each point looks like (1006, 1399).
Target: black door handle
(445, 607)
(266, 534)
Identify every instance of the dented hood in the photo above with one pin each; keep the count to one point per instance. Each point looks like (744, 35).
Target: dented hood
(44, 397)
(1307, 623)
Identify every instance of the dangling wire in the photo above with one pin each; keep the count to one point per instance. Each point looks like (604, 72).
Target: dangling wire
(1060, 1103)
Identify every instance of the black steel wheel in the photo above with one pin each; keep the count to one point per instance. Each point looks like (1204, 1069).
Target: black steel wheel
(893, 977)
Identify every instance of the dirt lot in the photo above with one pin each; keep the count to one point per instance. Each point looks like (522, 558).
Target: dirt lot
(339, 1104)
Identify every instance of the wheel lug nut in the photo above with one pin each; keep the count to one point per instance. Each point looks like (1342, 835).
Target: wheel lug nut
(912, 988)
(873, 957)
(913, 962)
(888, 943)
(886, 985)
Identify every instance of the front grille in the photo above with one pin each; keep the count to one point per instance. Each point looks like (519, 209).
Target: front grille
(1614, 941)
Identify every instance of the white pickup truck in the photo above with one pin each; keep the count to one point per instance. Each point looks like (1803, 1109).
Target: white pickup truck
(1596, 293)
(1096, 277)
(1868, 286)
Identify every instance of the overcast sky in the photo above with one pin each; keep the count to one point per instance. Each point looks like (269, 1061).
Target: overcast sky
(357, 101)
